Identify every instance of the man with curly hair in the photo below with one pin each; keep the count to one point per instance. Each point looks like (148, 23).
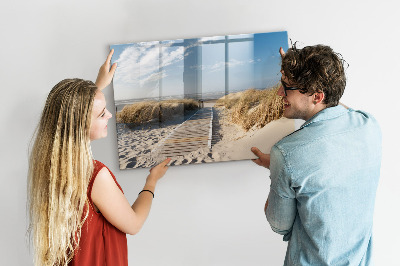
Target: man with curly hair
(324, 175)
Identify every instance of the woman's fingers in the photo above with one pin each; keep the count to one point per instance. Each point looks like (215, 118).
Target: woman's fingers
(110, 54)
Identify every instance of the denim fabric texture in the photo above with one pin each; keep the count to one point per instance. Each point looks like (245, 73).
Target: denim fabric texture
(324, 178)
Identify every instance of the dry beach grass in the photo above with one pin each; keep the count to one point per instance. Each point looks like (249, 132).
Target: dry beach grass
(142, 112)
(252, 108)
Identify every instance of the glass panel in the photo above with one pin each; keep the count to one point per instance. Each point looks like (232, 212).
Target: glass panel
(267, 58)
(241, 66)
(137, 75)
(240, 36)
(126, 77)
(212, 38)
(148, 44)
(169, 42)
(172, 72)
(213, 70)
(149, 74)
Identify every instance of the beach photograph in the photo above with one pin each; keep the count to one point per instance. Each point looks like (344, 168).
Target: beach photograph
(198, 100)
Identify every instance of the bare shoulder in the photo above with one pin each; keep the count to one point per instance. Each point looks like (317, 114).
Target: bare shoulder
(111, 202)
(103, 185)
(104, 174)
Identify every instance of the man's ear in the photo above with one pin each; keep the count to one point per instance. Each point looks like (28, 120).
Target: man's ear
(318, 97)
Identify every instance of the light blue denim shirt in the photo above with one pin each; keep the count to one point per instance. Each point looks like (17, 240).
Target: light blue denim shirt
(323, 183)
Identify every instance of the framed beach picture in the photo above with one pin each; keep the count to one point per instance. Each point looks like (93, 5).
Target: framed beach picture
(198, 100)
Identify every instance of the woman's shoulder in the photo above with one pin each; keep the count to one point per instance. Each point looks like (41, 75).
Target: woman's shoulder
(103, 170)
(98, 165)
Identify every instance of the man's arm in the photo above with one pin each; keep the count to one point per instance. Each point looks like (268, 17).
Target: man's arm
(280, 208)
(280, 213)
(262, 160)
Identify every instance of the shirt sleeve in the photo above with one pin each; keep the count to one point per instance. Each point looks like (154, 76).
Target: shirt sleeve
(281, 210)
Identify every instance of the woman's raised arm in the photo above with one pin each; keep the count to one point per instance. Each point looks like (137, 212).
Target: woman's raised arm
(105, 75)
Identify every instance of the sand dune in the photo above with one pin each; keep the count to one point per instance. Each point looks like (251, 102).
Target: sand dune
(263, 138)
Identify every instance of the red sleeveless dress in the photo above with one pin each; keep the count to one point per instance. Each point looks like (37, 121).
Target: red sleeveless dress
(101, 243)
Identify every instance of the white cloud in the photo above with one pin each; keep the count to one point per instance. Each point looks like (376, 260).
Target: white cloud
(153, 77)
(137, 63)
(221, 65)
(126, 72)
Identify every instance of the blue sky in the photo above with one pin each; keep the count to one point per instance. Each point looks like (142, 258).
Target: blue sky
(148, 69)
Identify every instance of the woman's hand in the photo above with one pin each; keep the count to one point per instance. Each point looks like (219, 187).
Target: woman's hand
(114, 206)
(158, 171)
(106, 74)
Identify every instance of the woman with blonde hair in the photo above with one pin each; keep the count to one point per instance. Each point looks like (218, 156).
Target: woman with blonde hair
(78, 212)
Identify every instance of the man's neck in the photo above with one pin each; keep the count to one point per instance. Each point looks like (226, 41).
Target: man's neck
(318, 108)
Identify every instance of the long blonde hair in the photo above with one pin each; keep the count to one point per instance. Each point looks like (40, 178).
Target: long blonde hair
(60, 168)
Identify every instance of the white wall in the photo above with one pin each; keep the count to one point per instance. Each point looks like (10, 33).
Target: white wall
(202, 214)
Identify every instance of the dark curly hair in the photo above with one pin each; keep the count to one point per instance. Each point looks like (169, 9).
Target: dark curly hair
(316, 69)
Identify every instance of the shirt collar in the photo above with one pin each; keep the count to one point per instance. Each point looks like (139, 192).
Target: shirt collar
(326, 114)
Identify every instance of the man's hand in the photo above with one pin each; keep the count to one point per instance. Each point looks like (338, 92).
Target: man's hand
(281, 52)
(105, 73)
(266, 206)
(263, 158)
